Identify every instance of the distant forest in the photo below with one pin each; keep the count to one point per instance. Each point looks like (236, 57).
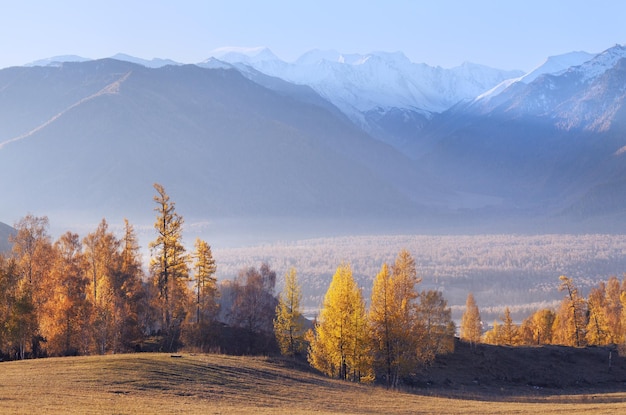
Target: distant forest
(516, 271)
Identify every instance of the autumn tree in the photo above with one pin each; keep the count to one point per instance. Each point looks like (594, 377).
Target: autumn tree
(64, 322)
(613, 311)
(382, 325)
(168, 267)
(597, 330)
(131, 300)
(254, 305)
(404, 282)
(471, 324)
(32, 254)
(288, 325)
(17, 313)
(570, 322)
(205, 297)
(101, 253)
(510, 336)
(434, 327)
(537, 328)
(338, 345)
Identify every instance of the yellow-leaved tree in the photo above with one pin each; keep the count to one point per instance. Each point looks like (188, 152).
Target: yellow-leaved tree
(168, 268)
(288, 325)
(200, 324)
(570, 322)
(471, 324)
(338, 346)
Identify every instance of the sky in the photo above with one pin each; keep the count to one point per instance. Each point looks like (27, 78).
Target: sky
(498, 33)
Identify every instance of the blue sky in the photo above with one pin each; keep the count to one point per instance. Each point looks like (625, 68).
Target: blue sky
(498, 33)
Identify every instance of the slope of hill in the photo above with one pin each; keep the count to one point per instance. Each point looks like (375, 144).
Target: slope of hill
(5, 232)
(157, 383)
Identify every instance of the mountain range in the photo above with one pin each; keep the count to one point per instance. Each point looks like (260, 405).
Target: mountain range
(365, 142)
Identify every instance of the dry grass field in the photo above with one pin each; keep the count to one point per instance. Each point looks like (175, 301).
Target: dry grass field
(217, 384)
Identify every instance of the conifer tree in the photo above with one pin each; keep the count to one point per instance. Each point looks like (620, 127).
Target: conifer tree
(434, 327)
(338, 347)
(597, 331)
(133, 306)
(471, 324)
(509, 332)
(382, 324)
(168, 266)
(613, 311)
(570, 322)
(200, 322)
(288, 326)
(205, 282)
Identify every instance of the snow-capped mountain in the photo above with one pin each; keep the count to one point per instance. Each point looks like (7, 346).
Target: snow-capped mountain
(549, 143)
(587, 94)
(384, 93)
(553, 65)
(358, 83)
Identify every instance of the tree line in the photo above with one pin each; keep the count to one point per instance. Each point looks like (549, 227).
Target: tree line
(599, 319)
(92, 295)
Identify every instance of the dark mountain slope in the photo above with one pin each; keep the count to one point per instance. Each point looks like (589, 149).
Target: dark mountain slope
(5, 232)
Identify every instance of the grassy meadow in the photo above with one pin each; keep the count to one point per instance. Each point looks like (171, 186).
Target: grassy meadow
(217, 384)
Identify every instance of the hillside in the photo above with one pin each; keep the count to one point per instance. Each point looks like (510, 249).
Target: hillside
(514, 371)
(5, 231)
(160, 383)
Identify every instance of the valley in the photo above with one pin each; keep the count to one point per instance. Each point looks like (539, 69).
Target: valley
(507, 270)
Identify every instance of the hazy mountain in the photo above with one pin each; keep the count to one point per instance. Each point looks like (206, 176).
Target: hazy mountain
(57, 60)
(152, 63)
(550, 145)
(5, 232)
(90, 139)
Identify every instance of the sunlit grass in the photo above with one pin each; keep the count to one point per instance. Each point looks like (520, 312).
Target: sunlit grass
(213, 384)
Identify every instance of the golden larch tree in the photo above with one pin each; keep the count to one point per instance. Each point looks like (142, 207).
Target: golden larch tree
(570, 322)
(471, 324)
(168, 267)
(338, 346)
(288, 324)
(434, 327)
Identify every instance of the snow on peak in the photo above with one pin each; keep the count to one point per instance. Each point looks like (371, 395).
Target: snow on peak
(357, 83)
(243, 55)
(153, 63)
(601, 62)
(553, 65)
(556, 65)
(315, 56)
